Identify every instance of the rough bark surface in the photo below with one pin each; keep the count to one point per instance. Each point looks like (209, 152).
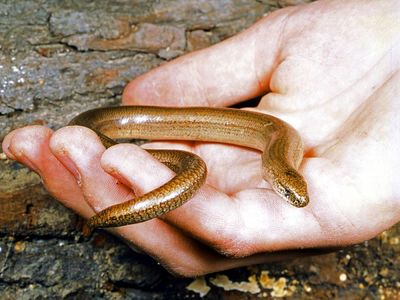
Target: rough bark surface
(58, 58)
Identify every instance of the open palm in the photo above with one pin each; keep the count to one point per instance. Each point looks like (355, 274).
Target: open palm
(331, 69)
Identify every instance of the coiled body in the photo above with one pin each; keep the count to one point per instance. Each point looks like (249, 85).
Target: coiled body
(280, 144)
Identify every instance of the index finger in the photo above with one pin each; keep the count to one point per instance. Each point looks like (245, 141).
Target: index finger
(224, 74)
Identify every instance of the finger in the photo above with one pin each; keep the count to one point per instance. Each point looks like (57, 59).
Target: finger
(6, 145)
(30, 146)
(242, 164)
(80, 150)
(157, 238)
(210, 216)
(224, 74)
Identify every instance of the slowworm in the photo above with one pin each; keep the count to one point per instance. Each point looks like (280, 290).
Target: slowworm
(280, 144)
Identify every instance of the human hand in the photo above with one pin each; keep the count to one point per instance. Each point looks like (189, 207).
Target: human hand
(331, 69)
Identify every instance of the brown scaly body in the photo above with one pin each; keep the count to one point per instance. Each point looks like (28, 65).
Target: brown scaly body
(281, 146)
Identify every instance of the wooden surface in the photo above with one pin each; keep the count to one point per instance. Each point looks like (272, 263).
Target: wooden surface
(60, 58)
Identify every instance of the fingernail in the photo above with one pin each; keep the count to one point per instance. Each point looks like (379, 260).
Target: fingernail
(118, 176)
(70, 165)
(26, 161)
(6, 147)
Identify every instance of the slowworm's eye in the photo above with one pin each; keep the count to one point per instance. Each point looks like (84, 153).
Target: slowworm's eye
(288, 193)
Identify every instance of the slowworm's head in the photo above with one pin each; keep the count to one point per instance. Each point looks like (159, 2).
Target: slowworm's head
(293, 188)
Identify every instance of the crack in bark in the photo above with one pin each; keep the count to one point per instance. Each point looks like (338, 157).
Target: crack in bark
(7, 256)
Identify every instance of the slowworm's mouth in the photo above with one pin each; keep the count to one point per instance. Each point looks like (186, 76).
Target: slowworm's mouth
(292, 196)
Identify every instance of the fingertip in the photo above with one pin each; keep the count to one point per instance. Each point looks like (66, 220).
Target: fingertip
(74, 135)
(123, 152)
(26, 141)
(166, 85)
(114, 157)
(133, 93)
(135, 167)
(77, 148)
(6, 145)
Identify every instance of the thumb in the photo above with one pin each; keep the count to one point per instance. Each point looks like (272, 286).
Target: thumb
(224, 74)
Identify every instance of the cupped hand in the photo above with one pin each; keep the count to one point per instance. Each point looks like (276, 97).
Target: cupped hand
(331, 69)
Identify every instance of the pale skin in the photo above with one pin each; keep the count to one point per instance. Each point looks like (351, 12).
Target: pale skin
(330, 69)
